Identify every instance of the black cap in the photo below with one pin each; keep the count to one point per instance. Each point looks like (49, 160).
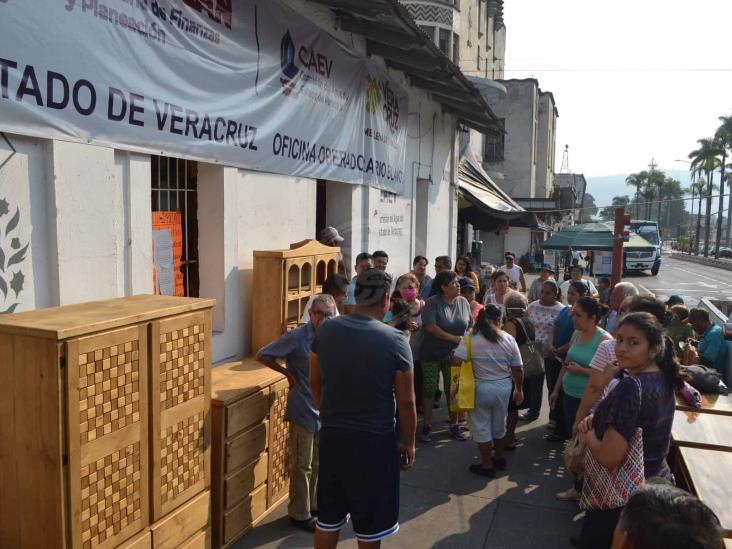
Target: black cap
(674, 300)
(371, 285)
(466, 283)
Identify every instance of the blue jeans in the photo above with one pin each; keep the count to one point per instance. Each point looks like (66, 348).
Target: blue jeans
(571, 405)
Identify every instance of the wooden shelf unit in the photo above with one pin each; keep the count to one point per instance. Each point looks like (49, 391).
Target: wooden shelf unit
(250, 451)
(105, 438)
(284, 280)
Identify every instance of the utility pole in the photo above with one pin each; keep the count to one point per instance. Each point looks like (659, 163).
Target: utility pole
(651, 169)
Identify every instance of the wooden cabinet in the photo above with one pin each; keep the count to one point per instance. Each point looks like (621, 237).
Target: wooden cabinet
(105, 435)
(249, 470)
(284, 280)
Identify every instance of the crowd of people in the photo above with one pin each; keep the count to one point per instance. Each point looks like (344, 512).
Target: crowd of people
(375, 352)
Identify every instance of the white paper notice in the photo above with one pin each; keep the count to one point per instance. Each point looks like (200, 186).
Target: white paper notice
(163, 257)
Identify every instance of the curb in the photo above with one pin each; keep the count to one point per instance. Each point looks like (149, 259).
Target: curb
(709, 261)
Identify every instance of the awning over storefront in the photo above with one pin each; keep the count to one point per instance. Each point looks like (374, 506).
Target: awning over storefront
(593, 236)
(484, 204)
(391, 33)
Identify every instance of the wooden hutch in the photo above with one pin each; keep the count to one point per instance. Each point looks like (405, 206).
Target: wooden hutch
(105, 431)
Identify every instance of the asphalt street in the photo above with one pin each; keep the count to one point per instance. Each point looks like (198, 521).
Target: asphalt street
(689, 280)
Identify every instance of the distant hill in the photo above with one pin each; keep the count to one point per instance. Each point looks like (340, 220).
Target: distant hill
(605, 187)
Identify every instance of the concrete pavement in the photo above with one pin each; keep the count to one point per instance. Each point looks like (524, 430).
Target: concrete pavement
(443, 505)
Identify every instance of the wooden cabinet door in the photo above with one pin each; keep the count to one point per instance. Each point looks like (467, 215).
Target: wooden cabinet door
(181, 422)
(278, 478)
(107, 428)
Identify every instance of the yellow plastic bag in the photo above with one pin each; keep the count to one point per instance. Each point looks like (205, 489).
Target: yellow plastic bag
(462, 385)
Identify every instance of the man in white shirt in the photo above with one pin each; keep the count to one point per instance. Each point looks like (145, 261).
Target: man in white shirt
(576, 276)
(514, 272)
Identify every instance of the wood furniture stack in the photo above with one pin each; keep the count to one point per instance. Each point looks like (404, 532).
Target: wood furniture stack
(105, 431)
(284, 280)
(702, 453)
(250, 473)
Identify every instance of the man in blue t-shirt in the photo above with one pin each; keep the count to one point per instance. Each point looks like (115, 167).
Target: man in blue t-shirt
(294, 347)
(712, 348)
(358, 365)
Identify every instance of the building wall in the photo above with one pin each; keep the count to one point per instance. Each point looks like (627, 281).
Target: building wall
(520, 110)
(546, 148)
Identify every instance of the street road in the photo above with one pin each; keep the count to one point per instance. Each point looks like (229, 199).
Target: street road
(689, 280)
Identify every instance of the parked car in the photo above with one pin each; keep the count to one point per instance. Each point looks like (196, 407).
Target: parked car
(724, 251)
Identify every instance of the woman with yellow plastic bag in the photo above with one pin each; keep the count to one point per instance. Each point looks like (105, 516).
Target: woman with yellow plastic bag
(495, 359)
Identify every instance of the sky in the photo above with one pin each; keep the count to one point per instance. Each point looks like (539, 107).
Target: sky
(634, 80)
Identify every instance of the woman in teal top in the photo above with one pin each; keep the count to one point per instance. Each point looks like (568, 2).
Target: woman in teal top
(575, 372)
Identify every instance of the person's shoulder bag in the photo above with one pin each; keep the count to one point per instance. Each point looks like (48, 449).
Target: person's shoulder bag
(531, 358)
(462, 388)
(604, 489)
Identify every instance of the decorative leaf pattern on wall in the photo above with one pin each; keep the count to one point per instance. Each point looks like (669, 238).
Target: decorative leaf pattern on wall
(12, 249)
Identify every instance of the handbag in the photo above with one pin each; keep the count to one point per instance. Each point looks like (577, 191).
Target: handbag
(604, 489)
(574, 456)
(531, 358)
(689, 356)
(462, 387)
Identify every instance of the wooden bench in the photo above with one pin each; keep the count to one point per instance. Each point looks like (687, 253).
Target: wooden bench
(704, 473)
(702, 430)
(712, 404)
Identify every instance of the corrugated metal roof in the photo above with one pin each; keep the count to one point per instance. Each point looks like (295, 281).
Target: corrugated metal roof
(391, 33)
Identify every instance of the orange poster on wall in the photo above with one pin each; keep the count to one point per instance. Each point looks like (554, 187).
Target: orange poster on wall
(171, 221)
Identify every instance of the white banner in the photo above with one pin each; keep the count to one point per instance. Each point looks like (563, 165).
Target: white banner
(247, 84)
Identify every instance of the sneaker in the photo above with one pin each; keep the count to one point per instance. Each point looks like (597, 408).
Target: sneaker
(307, 524)
(456, 433)
(528, 416)
(426, 434)
(568, 495)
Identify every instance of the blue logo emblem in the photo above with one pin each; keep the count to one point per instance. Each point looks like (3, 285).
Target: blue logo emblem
(287, 57)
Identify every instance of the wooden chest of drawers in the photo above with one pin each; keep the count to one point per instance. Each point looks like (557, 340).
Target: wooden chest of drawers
(105, 431)
(249, 460)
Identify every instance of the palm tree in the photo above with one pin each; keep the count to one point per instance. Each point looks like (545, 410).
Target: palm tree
(723, 139)
(657, 179)
(704, 159)
(699, 186)
(724, 134)
(648, 194)
(637, 180)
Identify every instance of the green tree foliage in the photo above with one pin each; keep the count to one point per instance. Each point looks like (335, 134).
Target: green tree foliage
(608, 212)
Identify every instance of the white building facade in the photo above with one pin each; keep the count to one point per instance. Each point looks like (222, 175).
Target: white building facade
(75, 215)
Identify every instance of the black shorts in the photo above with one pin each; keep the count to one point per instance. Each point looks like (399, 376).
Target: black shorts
(358, 476)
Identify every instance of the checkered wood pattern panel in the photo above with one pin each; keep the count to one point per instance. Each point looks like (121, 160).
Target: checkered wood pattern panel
(182, 457)
(279, 476)
(109, 389)
(182, 361)
(110, 495)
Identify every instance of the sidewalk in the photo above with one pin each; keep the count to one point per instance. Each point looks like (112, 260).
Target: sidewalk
(443, 505)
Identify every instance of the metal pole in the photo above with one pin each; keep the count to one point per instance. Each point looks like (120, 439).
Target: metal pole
(620, 219)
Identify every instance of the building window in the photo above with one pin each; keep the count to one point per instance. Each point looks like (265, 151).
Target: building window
(481, 12)
(478, 57)
(494, 145)
(444, 41)
(175, 189)
(455, 49)
(429, 30)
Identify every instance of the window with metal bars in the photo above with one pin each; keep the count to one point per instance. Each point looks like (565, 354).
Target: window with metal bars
(493, 146)
(175, 189)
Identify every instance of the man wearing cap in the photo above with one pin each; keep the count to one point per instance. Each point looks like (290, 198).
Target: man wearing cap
(674, 300)
(514, 272)
(576, 276)
(467, 290)
(546, 272)
(358, 365)
(330, 236)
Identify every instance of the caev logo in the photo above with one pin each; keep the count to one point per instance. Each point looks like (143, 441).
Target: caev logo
(287, 57)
